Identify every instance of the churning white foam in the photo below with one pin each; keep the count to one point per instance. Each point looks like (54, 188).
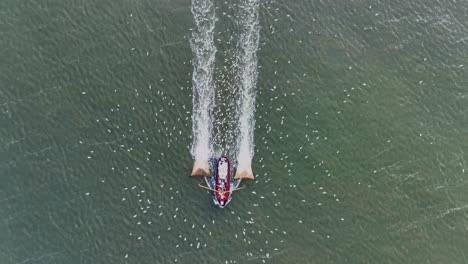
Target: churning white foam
(247, 78)
(204, 50)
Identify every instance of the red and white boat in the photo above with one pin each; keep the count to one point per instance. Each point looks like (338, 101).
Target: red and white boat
(221, 183)
(222, 188)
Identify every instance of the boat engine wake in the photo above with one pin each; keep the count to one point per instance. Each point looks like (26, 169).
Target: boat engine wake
(204, 90)
(247, 79)
(204, 50)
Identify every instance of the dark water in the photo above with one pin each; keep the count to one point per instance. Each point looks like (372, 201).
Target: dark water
(360, 140)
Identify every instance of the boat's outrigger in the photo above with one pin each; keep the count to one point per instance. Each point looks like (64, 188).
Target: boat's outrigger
(222, 184)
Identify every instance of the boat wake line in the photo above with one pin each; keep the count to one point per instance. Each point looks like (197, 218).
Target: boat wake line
(204, 86)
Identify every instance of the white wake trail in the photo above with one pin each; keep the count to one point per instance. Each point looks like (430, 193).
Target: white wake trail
(247, 78)
(204, 50)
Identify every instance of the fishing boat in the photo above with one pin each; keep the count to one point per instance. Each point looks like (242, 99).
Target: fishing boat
(220, 183)
(222, 190)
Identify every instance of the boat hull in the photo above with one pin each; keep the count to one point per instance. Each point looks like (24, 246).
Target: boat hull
(222, 194)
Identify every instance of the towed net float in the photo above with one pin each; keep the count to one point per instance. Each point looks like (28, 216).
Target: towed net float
(244, 171)
(201, 168)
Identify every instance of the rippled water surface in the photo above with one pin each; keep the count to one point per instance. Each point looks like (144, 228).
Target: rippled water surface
(361, 133)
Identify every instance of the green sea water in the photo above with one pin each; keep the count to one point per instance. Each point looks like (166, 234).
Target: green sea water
(361, 134)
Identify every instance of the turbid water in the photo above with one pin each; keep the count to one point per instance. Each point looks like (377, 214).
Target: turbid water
(360, 140)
